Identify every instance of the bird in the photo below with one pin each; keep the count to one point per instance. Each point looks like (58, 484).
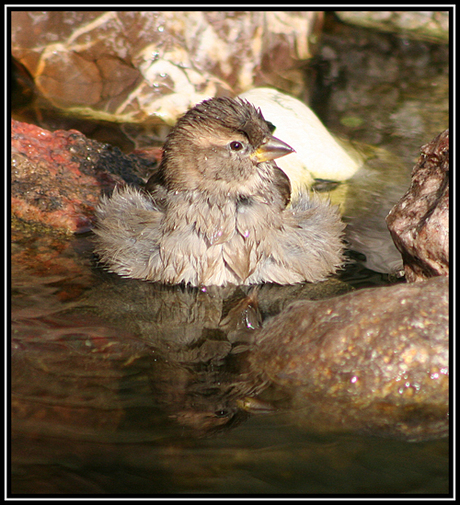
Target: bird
(218, 210)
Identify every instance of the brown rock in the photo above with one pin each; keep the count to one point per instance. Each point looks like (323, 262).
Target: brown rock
(419, 222)
(135, 66)
(375, 359)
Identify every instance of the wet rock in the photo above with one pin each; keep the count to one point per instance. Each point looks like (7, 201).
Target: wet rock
(57, 177)
(419, 222)
(424, 25)
(374, 360)
(134, 66)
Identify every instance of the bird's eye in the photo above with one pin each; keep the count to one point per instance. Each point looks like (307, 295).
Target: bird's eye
(222, 413)
(271, 126)
(236, 146)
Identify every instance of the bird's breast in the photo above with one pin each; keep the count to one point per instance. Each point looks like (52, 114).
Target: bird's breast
(217, 242)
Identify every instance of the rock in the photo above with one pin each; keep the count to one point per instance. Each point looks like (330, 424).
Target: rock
(135, 66)
(57, 177)
(419, 222)
(432, 26)
(318, 154)
(374, 360)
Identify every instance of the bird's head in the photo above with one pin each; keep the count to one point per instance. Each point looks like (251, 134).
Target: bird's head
(224, 146)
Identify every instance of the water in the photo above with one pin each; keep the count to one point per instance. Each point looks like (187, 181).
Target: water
(124, 387)
(102, 405)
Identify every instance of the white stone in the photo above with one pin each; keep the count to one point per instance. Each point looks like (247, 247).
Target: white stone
(318, 154)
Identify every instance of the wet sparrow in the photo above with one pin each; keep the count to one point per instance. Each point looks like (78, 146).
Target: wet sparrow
(218, 210)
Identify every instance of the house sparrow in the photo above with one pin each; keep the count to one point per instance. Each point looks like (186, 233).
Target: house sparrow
(218, 211)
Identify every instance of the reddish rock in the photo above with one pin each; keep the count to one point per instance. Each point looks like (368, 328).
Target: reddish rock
(57, 177)
(419, 222)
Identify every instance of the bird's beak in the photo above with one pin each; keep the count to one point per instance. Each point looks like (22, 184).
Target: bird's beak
(271, 149)
(254, 405)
